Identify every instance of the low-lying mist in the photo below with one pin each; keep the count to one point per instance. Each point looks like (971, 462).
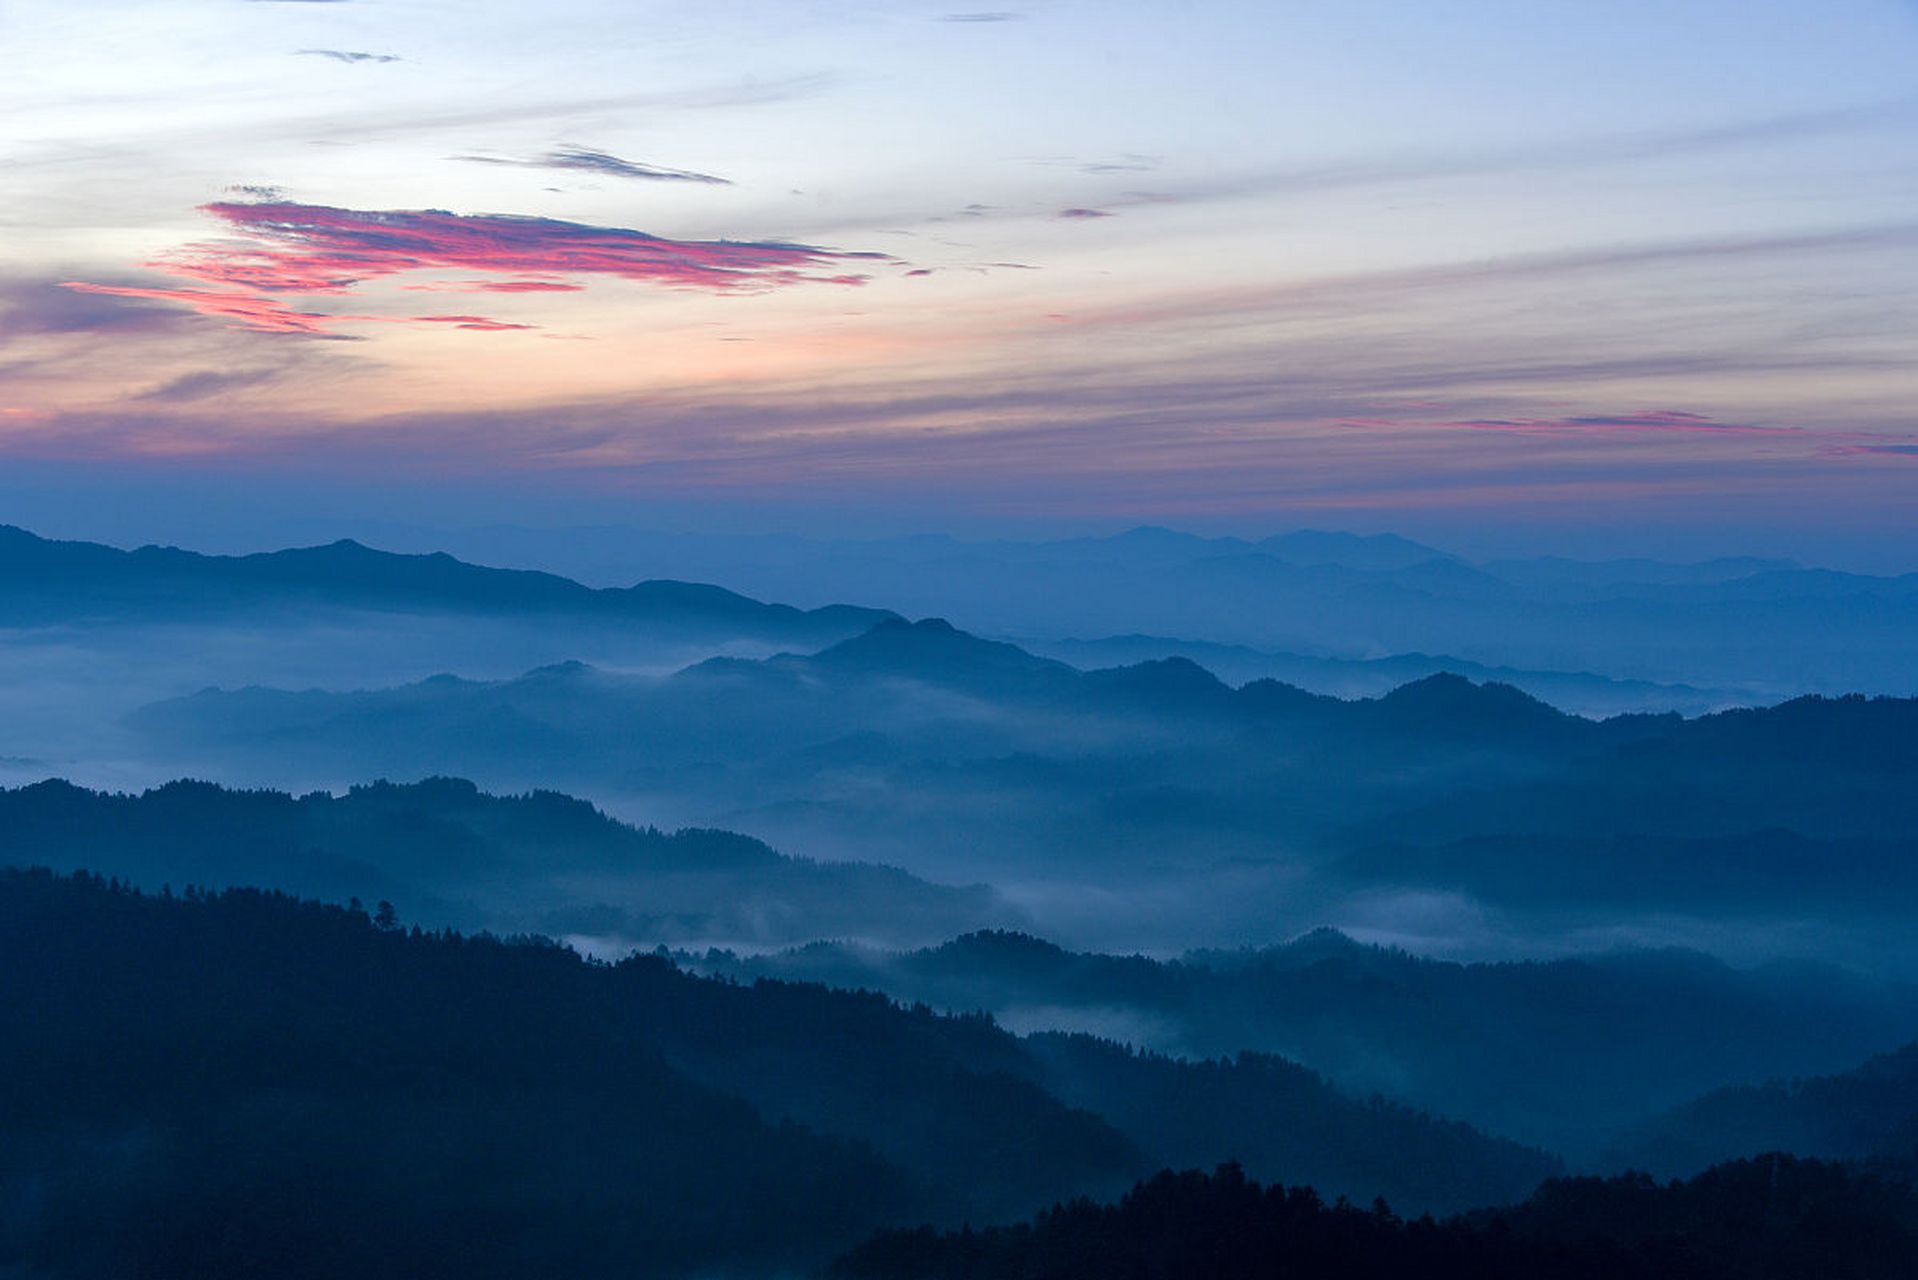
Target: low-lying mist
(1155, 807)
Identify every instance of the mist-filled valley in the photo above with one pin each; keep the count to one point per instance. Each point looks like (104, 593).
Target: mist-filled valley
(961, 924)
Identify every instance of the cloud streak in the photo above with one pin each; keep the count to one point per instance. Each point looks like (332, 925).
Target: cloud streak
(586, 160)
(1653, 421)
(248, 310)
(348, 56)
(1558, 155)
(1881, 450)
(204, 383)
(286, 248)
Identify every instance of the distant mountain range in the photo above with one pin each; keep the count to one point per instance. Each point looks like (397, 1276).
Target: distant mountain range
(1426, 813)
(1580, 693)
(1764, 628)
(954, 755)
(1566, 1054)
(43, 581)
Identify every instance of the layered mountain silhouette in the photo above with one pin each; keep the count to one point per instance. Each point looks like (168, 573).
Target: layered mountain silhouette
(44, 581)
(225, 1084)
(1581, 693)
(448, 854)
(1760, 629)
(1567, 1053)
(918, 743)
(1867, 1113)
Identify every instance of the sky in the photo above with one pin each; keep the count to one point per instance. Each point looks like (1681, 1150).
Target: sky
(1633, 276)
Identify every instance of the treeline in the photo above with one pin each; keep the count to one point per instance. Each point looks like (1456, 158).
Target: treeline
(242, 1083)
(1770, 1218)
(443, 850)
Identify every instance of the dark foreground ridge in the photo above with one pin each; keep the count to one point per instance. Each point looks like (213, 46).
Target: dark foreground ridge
(243, 1084)
(1771, 1218)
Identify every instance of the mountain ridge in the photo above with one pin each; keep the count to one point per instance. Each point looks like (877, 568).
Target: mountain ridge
(45, 578)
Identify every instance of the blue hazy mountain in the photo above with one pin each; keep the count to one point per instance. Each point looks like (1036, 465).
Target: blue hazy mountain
(447, 854)
(1564, 1053)
(43, 581)
(960, 757)
(1870, 1111)
(1580, 693)
(92, 632)
(1764, 629)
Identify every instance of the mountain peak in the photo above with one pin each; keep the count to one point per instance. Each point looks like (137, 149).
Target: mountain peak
(1448, 701)
(570, 669)
(1174, 678)
(1006, 949)
(924, 626)
(933, 649)
(1364, 551)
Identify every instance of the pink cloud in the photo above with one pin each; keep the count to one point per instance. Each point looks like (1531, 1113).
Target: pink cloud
(316, 249)
(479, 323)
(265, 314)
(496, 286)
(251, 310)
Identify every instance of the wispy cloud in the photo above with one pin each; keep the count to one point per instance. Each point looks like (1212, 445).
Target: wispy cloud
(202, 384)
(269, 315)
(1131, 162)
(320, 250)
(36, 307)
(1557, 155)
(250, 310)
(1884, 450)
(1081, 213)
(586, 160)
(1370, 290)
(341, 123)
(481, 324)
(384, 123)
(1656, 421)
(994, 15)
(496, 286)
(350, 56)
